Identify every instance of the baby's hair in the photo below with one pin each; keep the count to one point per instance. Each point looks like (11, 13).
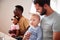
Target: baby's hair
(36, 15)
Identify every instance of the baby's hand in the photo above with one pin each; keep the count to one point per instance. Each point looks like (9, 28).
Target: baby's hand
(27, 36)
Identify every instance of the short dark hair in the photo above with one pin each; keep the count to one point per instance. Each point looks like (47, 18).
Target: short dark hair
(20, 8)
(42, 2)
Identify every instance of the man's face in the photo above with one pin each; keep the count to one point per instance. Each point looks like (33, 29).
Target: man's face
(40, 9)
(17, 12)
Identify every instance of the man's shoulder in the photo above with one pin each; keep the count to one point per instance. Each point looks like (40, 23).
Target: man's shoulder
(57, 16)
(24, 18)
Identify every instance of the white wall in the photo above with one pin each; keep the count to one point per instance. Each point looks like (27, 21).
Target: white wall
(55, 4)
(58, 6)
(6, 12)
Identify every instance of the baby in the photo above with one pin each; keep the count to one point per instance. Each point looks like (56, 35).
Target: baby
(34, 32)
(14, 29)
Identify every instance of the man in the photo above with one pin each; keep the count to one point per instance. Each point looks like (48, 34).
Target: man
(51, 21)
(23, 22)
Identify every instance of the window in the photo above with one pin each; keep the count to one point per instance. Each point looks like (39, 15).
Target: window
(32, 10)
(55, 5)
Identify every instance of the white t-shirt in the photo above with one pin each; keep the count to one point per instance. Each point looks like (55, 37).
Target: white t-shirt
(50, 24)
(13, 27)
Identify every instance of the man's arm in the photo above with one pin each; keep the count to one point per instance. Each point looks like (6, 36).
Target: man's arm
(56, 35)
(17, 32)
(56, 29)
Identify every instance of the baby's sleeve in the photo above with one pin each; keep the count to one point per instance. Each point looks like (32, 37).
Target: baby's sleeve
(39, 34)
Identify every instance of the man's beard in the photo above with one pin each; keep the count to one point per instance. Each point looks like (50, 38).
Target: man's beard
(43, 12)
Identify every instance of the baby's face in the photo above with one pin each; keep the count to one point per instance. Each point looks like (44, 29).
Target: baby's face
(15, 21)
(34, 21)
